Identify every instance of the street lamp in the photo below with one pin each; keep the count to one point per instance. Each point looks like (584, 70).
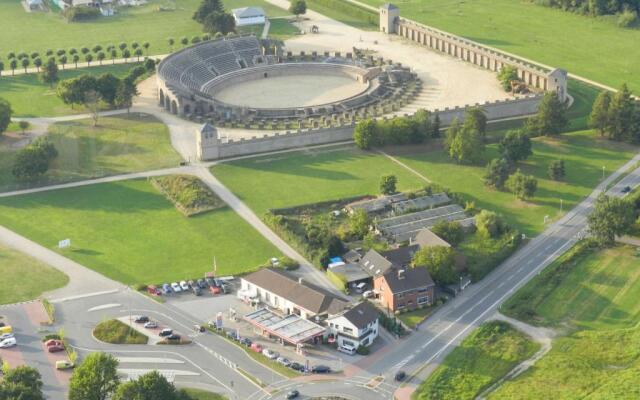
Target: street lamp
(603, 172)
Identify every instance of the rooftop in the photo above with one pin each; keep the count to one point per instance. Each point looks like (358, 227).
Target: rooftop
(410, 279)
(248, 12)
(361, 315)
(290, 328)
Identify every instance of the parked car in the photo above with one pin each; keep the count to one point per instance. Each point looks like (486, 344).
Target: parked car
(367, 294)
(53, 342)
(141, 319)
(196, 290)
(215, 290)
(165, 332)
(320, 369)
(270, 354)
(284, 361)
(8, 342)
(6, 336)
(6, 329)
(292, 394)
(226, 288)
(191, 283)
(201, 284)
(55, 348)
(210, 281)
(175, 287)
(350, 350)
(626, 189)
(153, 290)
(296, 366)
(151, 325)
(400, 375)
(166, 288)
(173, 336)
(64, 364)
(246, 341)
(184, 285)
(256, 347)
(232, 335)
(199, 328)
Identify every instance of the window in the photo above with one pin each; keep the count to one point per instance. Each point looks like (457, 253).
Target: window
(275, 300)
(400, 296)
(266, 296)
(400, 306)
(423, 290)
(347, 330)
(423, 299)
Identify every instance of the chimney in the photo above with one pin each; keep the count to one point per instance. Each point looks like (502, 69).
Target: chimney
(400, 274)
(300, 281)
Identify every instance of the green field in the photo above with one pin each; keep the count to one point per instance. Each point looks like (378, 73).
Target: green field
(29, 97)
(30, 32)
(119, 144)
(597, 294)
(280, 28)
(591, 47)
(481, 360)
(345, 12)
(583, 152)
(131, 233)
(197, 394)
(34, 276)
(310, 176)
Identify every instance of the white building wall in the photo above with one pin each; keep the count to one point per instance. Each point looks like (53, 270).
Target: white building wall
(337, 326)
(250, 21)
(274, 301)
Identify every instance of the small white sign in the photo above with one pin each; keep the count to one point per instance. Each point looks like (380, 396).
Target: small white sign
(64, 243)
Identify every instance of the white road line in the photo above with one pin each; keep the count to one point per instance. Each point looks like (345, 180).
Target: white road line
(150, 360)
(104, 307)
(83, 296)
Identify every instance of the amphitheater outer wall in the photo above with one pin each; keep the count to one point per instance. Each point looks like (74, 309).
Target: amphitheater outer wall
(213, 149)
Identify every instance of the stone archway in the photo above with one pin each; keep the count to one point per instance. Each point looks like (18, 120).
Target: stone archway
(187, 109)
(174, 107)
(161, 98)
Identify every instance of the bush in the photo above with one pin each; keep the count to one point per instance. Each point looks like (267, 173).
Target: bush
(188, 194)
(288, 264)
(489, 224)
(363, 350)
(627, 19)
(150, 64)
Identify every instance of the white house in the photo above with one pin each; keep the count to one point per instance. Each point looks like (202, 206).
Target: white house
(355, 327)
(249, 16)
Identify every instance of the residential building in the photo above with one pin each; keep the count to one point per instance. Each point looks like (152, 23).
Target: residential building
(357, 326)
(249, 16)
(402, 288)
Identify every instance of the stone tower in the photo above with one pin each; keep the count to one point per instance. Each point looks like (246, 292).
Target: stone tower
(207, 142)
(388, 16)
(557, 82)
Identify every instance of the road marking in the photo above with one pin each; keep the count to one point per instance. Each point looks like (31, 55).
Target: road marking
(150, 360)
(84, 296)
(104, 307)
(170, 374)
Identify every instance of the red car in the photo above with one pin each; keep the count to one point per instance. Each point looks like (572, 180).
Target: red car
(215, 289)
(55, 348)
(53, 342)
(256, 347)
(153, 290)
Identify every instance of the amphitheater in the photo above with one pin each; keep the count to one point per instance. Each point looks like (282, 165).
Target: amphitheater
(249, 97)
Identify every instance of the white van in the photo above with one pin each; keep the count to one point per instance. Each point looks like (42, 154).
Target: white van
(360, 287)
(8, 342)
(350, 350)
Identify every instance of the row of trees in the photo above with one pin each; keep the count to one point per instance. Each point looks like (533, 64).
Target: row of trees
(73, 55)
(627, 10)
(611, 217)
(395, 131)
(616, 116)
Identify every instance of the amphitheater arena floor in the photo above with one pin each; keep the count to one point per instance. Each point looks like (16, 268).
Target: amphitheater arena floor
(291, 91)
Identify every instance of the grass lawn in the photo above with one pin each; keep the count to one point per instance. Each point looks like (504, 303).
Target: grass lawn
(116, 332)
(280, 28)
(310, 176)
(16, 266)
(481, 359)
(413, 318)
(345, 12)
(591, 47)
(29, 97)
(197, 394)
(130, 232)
(583, 152)
(33, 31)
(595, 292)
(119, 144)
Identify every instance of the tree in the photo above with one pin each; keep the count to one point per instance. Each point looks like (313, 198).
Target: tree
(88, 58)
(50, 72)
(21, 383)
(126, 92)
(450, 231)
(1, 67)
(436, 126)
(388, 184)
(475, 119)
(599, 117)
(107, 86)
(101, 56)
(63, 60)
(489, 224)
(219, 22)
(84, 50)
(497, 173)
(145, 46)
(610, 217)
(515, 146)
(298, 8)
(171, 41)
(184, 40)
(97, 48)
(206, 8)
(23, 126)
(92, 103)
(76, 58)
(33, 160)
(95, 379)
(13, 64)
(25, 63)
(359, 223)
(521, 185)
(122, 46)
(621, 115)
(5, 115)
(37, 62)
(126, 54)
(150, 386)
(35, 55)
(464, 143)
(73, 51)
(439, 261)
(556, 170)
(61, 52)
(507, 74)
(365, 133)
(551, 118)
(138, 53)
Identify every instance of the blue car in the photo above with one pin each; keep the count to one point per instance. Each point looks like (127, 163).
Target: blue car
(166, 288)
